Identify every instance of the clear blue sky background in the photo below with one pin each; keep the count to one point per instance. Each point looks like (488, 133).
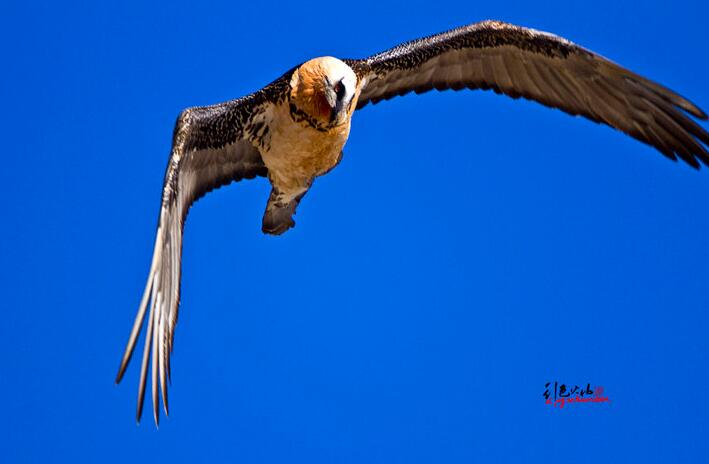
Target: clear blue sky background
(469, 249)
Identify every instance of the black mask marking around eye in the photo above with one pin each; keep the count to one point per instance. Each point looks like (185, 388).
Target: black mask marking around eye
(340, 90)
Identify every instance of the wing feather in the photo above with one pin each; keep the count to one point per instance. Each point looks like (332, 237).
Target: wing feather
(212, 146)
(539, 66)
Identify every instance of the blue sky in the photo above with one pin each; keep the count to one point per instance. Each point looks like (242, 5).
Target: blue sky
(468, 249)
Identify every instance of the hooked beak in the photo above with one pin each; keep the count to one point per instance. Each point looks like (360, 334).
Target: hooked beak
(338, 111)
(338, 107)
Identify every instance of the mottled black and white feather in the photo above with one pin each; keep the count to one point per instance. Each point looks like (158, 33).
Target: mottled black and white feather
(212, 146)
(521, 62)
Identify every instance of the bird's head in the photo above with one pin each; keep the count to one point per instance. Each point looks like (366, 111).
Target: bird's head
(325, 89)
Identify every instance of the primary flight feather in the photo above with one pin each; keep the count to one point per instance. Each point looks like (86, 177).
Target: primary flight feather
(293, 130)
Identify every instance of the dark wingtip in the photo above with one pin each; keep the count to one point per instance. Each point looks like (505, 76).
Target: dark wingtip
(682, 102)
(165, 405)
(139, 414)
(693, 109)
(127, 356)
(119, 375)
(156, 412)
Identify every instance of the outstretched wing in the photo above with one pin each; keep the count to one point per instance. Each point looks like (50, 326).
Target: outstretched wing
(212, 146)
(522, 62)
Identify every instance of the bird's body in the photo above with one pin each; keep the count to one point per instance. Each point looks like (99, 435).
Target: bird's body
(298, 152)
(294, 129)
(305, 141)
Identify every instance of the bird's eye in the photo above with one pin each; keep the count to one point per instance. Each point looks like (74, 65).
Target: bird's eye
(339, 89)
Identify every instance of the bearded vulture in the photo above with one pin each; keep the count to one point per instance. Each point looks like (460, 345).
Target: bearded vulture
(293, 130)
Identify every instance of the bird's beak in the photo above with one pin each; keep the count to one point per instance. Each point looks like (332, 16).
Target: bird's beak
(338, 111)
(331, 97)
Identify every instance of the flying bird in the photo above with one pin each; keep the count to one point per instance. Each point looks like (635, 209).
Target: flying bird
(293, 130)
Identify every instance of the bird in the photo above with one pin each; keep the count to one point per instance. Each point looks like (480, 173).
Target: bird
(294, 129)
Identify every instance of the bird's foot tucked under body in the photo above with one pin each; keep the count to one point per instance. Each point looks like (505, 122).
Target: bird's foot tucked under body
(278, 217)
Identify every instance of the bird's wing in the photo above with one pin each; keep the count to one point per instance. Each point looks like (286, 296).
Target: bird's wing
(522, 62)
(212, 146)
